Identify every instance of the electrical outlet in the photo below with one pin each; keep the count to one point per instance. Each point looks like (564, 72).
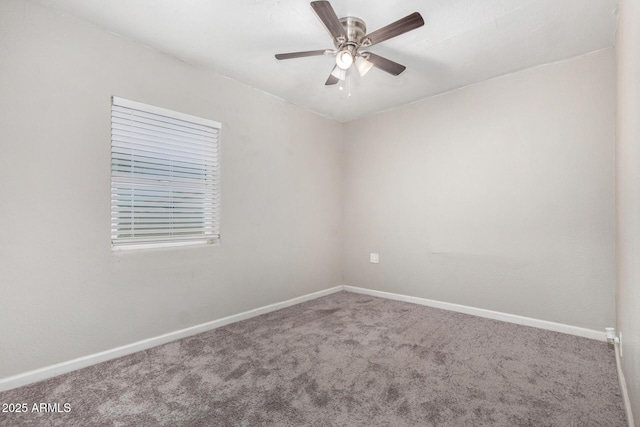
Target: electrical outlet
(374, 258)
(611, 334)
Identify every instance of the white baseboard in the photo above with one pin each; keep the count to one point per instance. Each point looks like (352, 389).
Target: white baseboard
(623, 388)
(92, 359)
(29, 377)
(496, 315)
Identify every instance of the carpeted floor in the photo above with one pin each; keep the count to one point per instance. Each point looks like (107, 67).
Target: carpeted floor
(344, 360)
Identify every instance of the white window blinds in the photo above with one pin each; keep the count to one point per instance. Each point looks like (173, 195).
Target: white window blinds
(164, 177)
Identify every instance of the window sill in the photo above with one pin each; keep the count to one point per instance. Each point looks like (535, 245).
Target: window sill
(164, 245)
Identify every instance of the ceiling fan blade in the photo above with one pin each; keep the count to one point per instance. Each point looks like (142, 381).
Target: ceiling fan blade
(401, 26)
(331, 80)
(329, 18)
(385, 64)
(300, 54)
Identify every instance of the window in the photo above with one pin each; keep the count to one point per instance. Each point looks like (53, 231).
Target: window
(164, 177)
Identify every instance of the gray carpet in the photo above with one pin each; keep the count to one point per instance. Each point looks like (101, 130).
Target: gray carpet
(344, 360)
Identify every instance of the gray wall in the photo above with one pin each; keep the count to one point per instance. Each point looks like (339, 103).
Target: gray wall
(628, 200)
(63, 293)
(499, 195)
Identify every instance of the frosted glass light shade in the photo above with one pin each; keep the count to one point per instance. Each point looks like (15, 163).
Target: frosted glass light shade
(339, 73)
(363, 65)
(344, 59)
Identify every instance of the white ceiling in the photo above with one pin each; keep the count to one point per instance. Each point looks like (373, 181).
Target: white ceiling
(462, 42)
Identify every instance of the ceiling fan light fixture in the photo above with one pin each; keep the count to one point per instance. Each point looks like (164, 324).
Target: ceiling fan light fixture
(344, 58)
(339, 73)
(363, 65)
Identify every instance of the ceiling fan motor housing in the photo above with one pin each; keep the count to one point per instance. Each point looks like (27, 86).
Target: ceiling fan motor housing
(355, 28)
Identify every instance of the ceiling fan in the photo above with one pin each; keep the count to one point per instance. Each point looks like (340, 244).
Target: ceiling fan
(349, 35)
